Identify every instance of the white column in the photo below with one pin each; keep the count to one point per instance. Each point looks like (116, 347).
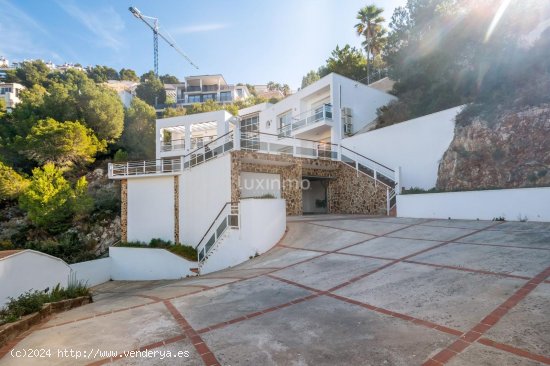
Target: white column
(187, 137)
(397, 179)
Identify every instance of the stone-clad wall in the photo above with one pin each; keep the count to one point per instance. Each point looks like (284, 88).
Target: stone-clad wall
(176, 210)
(353, 193)
(291, 176)
(347, 191)
(124, 210)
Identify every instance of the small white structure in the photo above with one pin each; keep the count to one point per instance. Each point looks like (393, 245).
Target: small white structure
(26, 270)
(10, 92)
(125, 89)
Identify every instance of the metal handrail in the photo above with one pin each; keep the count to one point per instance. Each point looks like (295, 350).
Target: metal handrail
(213, 222)
(364, 157)
(205, 145)
(219, 230)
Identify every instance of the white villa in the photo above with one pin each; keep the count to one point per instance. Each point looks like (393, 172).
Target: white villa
(213, 171)
(10, 93)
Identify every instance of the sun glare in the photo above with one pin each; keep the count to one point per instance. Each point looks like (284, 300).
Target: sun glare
(502, 8)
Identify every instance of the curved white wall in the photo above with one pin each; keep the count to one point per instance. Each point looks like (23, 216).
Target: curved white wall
(262, 225)
(416, 146)
(30, 270)
(512, 204)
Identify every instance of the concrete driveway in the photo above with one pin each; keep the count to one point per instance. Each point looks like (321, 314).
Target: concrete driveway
(337, 290)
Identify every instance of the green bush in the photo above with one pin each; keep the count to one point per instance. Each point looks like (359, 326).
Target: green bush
(66, 246)
(32, 301)
(11, 183)
(120, 156)
(50, 201)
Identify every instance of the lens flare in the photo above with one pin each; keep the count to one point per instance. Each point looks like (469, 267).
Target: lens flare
(500, 12)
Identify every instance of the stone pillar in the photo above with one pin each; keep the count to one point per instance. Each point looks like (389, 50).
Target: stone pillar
(124, 210)
(235, 176)
(176, 210)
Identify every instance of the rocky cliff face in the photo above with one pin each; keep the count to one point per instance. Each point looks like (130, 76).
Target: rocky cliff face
(510, 152)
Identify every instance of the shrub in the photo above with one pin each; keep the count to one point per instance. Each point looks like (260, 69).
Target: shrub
(106, 202)
(11, 183)
(50, 201)
(67, 247)
(120, 156)
(32, 301)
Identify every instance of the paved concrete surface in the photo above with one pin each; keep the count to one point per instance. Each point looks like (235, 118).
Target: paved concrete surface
(337, 290)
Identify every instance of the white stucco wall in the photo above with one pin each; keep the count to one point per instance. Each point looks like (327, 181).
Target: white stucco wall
(151, 208)
(512, 204)
(142, 264)
(363, 101)
(222, 119)
(92, 272)
(30, 270)
(259, 184)
(416, 146)
(262, 225)
(204, 190)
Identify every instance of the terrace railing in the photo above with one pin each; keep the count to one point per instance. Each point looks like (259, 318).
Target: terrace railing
(307, 118)
(274, 144)
(136, 168)
(173, 145)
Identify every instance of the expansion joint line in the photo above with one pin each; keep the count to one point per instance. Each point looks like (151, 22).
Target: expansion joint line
(488, 322)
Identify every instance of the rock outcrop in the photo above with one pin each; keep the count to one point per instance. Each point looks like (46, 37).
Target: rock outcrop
(511, 151)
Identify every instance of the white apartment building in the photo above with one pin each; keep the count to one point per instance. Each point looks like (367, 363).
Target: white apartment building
(201, 88)
(224, 184)
(10, 93)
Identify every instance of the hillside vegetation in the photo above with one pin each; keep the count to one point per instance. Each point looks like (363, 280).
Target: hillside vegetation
(54, 146)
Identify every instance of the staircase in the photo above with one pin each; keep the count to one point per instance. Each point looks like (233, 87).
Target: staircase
(226, 220)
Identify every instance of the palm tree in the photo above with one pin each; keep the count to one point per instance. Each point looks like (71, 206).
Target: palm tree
(370, 26)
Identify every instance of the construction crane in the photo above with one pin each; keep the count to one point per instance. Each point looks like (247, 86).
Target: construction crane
(155, 28)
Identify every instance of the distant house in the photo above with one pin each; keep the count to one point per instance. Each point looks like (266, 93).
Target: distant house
(201, 88)
(126, 90)
(10, 92)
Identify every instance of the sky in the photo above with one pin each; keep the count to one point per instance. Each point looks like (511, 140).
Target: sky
(248, 41)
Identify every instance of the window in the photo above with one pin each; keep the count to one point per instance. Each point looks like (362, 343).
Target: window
(206, 97)
(249, 133)
(285, 123)
(225, 97)
(194, 99)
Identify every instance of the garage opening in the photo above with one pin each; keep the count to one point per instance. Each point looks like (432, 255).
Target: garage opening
(314, 195)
